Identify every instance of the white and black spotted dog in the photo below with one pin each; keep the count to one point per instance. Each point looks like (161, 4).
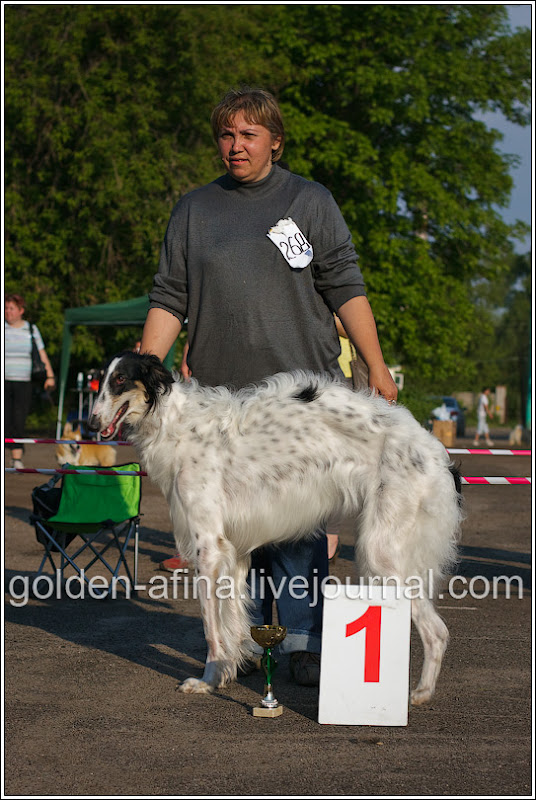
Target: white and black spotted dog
(272, 463)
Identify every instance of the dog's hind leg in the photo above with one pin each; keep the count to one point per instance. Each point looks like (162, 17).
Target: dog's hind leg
(398, 539)
(434, 636)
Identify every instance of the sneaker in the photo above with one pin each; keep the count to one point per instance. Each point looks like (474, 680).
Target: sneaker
(17, 463)
(252, 664)
(475, 443)
(305, 668)
(489, 443)
(171, 564)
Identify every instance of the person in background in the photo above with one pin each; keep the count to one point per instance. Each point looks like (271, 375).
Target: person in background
(18, 371)
(333, 528)
(176, 561)
(260, 260)
(483, 411)
(346, 355)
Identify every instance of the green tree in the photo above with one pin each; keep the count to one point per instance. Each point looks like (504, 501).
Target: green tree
(502, 337)
(107, 111)
(384, 100)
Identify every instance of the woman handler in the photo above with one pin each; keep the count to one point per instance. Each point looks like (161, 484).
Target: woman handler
(259, 260)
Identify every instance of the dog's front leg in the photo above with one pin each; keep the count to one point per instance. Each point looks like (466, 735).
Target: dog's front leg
(218, 668)
(215, 655)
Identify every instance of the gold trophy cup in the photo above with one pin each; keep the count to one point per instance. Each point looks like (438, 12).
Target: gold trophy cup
(268, 636)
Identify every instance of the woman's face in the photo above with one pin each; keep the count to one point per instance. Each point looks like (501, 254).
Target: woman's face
(12, 312)
(246, 149)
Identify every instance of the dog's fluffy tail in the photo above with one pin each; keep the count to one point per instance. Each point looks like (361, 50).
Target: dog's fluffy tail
(406, 534)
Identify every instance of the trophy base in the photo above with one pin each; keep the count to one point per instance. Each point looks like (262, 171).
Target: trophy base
(260, 711)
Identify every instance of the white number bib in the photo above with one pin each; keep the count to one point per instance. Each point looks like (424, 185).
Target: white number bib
(288, 238)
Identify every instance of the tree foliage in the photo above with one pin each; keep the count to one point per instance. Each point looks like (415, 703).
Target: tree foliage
(502, 333)
(107, 124)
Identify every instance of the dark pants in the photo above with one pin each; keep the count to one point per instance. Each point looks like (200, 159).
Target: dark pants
(17, 402)
(299, 606)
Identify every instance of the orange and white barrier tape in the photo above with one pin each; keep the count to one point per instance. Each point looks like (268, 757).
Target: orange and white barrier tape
(493, 480)
(62, 441)
(453, 451)
(472, 452)
(496, 481)
(32, 470)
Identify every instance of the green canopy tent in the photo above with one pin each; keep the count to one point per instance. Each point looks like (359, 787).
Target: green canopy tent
(126, 312)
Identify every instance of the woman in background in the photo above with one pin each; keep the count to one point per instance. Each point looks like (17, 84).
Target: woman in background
(18, 371)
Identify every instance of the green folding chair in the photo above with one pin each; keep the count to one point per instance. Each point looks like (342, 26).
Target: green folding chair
(103, 511)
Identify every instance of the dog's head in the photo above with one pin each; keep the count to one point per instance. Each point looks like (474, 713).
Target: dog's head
(130, 389)
(69, 453)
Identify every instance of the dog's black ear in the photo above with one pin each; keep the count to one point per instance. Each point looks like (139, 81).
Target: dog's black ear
(156, 378)
(457, 478)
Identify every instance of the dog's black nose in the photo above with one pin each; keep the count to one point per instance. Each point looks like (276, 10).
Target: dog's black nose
(93, 423)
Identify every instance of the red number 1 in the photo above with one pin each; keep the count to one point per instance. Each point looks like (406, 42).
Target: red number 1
(371, 620)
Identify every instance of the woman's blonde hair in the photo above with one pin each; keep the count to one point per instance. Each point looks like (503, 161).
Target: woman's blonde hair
(259, 108)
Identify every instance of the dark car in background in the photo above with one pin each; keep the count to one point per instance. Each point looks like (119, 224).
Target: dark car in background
(457, 413)
(455, 410)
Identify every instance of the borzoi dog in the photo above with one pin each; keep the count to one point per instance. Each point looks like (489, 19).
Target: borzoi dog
(272, 463)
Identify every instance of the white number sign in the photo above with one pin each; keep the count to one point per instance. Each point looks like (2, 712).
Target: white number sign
(364, 671)
(289, 239)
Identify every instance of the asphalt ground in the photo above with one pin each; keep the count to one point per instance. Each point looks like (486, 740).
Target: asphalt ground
(91, 706)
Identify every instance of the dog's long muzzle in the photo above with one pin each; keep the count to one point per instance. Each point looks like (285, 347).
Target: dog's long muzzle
(93, 423)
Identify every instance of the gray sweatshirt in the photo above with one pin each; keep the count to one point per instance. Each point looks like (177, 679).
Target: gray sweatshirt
(249, 313)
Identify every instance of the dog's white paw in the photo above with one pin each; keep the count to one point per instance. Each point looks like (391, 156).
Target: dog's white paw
(420, 696)
(194, 686)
